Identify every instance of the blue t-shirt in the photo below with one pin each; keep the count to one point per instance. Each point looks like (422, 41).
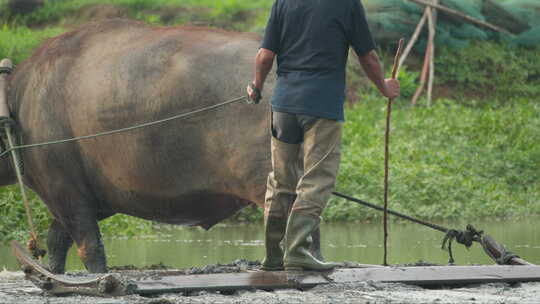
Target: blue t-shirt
(311, 39)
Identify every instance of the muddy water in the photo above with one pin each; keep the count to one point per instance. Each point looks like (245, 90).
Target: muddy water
(185, 247)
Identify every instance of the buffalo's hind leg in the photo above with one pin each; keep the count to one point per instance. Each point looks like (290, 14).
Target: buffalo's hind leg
(87, 236)
(58, 243)
(84, 230)
(80, 219)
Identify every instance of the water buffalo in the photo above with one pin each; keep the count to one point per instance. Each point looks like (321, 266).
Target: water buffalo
(117, 73)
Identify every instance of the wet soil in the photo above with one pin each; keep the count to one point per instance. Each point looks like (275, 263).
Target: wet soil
(14, 289)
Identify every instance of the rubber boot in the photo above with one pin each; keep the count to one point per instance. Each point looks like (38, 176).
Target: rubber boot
(321, 163)
(274, 231)
(280, 195)
(282, 181)
(297, 243)
(315, 247)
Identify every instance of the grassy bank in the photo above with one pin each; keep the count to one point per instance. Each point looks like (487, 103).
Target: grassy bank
(18, 43)
(475, 153)
(449, 161)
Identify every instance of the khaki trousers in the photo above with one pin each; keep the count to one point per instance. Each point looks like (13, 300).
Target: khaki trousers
(302, 180)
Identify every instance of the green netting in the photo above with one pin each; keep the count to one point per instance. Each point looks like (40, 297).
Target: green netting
(392, 19)
(467, 31)
(472, 8)
(529, 39)
(528, 10)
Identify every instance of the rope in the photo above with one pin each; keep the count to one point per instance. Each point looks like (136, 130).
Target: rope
(33, 243)
(401, 215)
(122, 130)
(465, 238)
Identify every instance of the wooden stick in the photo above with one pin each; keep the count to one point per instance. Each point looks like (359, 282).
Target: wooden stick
(432, 23)
(414, 38)
(423, 76)
(395, 71)
(463, 16)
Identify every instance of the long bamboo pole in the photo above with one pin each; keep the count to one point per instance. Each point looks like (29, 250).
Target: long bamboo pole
(414, 38)
(432, 24)
(423, 76)
(395, 71)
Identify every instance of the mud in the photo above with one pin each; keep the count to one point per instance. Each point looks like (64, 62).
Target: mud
(14, 289)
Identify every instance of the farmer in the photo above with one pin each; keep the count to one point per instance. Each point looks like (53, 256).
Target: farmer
(311, 40)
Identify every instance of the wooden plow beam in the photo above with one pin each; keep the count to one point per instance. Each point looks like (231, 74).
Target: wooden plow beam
(118, 285)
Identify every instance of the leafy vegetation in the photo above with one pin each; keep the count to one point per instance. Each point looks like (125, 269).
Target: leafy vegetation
(449, 161)
(233, 14)
(490, 70)
(18, 43)
(474, 153)
(14, 224)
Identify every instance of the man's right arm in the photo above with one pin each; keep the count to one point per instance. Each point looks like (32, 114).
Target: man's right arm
(373, 69)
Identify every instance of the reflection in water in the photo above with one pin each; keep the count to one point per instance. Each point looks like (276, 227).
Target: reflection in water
(409, 243)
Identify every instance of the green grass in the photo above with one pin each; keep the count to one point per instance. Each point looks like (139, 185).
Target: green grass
(448, 161)
(18, 43)
(233, 14)
(492, 70)
(14, 224)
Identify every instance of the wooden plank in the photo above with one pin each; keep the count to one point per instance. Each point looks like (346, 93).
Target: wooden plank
(219, 282)
(445, 275)
(423, 276)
